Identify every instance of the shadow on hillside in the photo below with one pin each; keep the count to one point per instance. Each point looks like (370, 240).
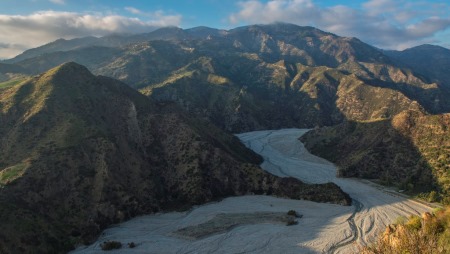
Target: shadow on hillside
(374, 150)
(434, 100)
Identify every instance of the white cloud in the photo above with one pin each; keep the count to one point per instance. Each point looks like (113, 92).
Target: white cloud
(395, 24)
(58, 1)
(133, 10)
(45, 26)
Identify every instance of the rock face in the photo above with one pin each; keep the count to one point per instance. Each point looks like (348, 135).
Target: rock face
(410, 150)
(80, 152)
(255, 77)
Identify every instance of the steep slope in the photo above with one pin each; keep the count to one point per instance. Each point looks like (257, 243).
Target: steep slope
(55, 46)
(80, 152)
(278, 75)
(248, 94)
(429, 233)
(411, 151)
(92, 56)
(429, 60)
(113, 40)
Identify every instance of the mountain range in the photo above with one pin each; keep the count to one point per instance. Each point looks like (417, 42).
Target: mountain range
(271, 76)
(159, 113)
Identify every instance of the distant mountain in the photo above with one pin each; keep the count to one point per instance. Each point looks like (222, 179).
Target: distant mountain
(56, 46)
(268, 76)
(11, 74)
(115, 40)
(11, 68)
(80, 152)
(430, 61)
(411, 151)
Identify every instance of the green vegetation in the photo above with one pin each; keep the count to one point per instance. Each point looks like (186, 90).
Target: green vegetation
(9, 174)
(9, 83)
(409, 151)
(111, 245)
(83, 139)
(90, 141)
(293, 213)
(291, 222)
(427, 235)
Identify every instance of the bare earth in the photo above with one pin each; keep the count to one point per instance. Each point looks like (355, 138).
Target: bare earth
(232, 225)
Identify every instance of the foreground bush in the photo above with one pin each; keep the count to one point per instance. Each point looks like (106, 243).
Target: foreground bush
(429, 234)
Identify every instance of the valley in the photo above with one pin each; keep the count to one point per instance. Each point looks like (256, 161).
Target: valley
(96, 131)
(324, 228)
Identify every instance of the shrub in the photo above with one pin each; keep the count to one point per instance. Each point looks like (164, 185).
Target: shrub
(433, 196)
(131, 245)
(400, 220)
(292, 213)
(291, 222)
(111, 245)
(427, 235)
(414, 223)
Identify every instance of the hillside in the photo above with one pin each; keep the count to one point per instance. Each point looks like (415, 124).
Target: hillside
(80, 152)
(430, 61)
(268, 76)
(411, 151)
(428, 234)
(11, 74)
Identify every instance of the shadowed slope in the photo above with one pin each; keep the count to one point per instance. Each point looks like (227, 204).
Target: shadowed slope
(410, 151)
(80, 152)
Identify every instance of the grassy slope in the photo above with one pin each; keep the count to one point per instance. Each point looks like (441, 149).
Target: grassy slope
(429, 234)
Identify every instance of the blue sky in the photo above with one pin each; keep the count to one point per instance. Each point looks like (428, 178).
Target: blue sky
(390, 24)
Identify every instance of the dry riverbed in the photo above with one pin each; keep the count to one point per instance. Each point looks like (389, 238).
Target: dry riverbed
(257, 224)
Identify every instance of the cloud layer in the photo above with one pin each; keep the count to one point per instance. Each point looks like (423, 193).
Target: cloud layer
(21, 32)
(394, 24)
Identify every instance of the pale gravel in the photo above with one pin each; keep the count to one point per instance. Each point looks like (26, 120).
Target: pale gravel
(324, 228)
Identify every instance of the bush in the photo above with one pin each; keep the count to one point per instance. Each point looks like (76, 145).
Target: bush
(400, 220)
(433, 196)
(131, 245)
(293, 213)
(111, 245)
(427, 235)
(414, 223)
(291, 222)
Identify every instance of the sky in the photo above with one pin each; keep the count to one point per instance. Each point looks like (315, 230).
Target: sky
(387, 24)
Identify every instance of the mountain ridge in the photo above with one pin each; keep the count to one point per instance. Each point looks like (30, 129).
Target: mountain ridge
(277, 76)
(80, 152)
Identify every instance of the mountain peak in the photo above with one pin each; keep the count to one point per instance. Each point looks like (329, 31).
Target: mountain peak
(69, 71)
(71, 66)
(428, 47)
